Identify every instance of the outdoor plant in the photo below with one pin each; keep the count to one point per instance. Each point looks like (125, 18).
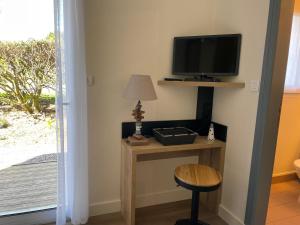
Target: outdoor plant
(3, 123)
(26, 68)
(4, 99)
(47, 99)
(51, 122)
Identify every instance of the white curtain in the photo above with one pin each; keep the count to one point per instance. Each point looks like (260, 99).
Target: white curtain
(71, 105)
(292, 80)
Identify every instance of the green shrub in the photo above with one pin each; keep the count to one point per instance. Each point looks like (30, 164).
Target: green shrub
(51, 122)
(3, 138)
(3, 123)
(4, 99)
(3, 95)
(47, 99)
(26, 68)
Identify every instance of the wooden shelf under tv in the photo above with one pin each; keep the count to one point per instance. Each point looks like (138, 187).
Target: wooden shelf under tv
(202, 84)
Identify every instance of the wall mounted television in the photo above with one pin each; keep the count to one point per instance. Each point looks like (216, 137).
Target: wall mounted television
(210, 55)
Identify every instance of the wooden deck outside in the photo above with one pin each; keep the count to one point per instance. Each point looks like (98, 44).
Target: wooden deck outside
(28, 187)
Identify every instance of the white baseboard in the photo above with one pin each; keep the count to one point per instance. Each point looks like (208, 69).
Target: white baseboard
(100, 208)
(228, 217)
(163, 197)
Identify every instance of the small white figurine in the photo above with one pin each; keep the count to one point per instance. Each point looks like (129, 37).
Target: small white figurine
(211, 133)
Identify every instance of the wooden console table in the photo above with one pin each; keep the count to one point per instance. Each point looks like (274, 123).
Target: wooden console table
(210, 153)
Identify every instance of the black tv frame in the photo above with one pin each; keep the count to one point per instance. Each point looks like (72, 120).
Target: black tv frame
(209, 74)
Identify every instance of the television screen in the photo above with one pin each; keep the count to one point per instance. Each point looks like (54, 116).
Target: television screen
(207, 55)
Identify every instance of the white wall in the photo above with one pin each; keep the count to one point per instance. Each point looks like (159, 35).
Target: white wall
(135, 36)
(124, 38)
(237, 108)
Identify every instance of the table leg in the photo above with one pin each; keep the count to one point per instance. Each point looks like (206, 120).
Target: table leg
(215, 159)
(204, 159)
(217, 162)
(128, 182)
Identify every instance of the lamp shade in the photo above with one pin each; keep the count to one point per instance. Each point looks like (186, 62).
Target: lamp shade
(140, 87)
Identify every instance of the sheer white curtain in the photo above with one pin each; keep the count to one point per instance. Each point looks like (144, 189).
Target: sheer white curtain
(292, 80)
(71, 105)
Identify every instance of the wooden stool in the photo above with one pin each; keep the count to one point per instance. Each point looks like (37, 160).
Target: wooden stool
(197, 178)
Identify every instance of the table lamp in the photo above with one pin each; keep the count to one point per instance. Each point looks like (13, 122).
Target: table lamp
(140, 88)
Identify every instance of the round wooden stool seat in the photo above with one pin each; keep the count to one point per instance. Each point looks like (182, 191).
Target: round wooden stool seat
(198, 177)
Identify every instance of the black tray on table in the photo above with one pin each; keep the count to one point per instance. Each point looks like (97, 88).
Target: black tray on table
(174, 135)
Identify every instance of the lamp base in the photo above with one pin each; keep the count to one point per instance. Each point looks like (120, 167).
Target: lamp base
(137, 140)
(138, 136)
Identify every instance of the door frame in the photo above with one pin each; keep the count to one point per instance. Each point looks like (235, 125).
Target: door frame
(269, 108)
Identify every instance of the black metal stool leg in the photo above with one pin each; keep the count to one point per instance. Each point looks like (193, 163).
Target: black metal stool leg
(194, 212)
(195, 208)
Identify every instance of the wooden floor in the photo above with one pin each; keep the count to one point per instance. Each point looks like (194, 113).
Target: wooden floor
(165, 214)
(284, 204)
(27, 187)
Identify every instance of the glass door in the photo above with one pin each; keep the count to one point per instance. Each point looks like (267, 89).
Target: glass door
(28, 158)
